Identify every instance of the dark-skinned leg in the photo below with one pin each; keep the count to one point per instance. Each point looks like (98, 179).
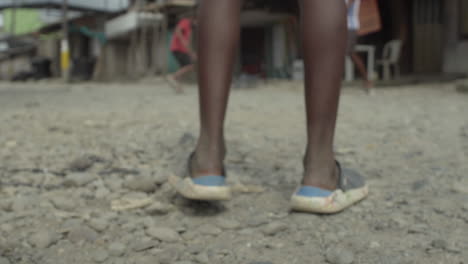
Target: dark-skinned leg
(217, 47)
(324, 32)
(362, 70)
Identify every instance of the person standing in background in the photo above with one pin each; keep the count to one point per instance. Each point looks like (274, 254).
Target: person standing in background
(353, 28)
(181, 48)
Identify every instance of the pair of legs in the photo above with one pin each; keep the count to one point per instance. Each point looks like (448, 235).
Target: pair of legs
(324, 35)
(187, 66)
(357, 60)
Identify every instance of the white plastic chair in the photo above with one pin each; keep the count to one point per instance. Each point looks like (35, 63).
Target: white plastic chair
(391, 57)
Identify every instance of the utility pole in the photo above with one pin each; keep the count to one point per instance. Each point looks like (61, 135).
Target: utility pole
(12, 32)
(13, 19)
(65, 47)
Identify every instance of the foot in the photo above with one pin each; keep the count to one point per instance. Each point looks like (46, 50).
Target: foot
(368, 86)
(175, 84)
(207, 161)
(317, 174)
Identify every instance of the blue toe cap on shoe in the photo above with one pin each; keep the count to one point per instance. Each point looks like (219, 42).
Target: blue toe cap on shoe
(310, 191)
(210, 181)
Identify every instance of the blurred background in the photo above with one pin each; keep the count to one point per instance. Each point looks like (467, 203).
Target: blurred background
(107, 40)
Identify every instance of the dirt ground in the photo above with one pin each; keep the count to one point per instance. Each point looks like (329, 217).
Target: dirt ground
(84, 167)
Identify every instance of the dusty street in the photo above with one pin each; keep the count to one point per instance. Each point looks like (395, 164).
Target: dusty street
(83, 172)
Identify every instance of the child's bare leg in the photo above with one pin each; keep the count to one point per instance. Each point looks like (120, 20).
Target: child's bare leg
(324, 33)
(218, 41)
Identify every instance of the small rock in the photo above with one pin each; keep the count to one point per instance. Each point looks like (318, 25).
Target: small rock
(78, 179)
(144, 245)
(63, 203)
(439, 244)
(81, 164)
(160, 178)
(158, 208)
(202, 258)
(98, 224)
(462, 88)
(418, 185)
(82, 233)
(338, 255)
(119, 261)
(374, 245)
(117, 249)
(4, 260)
(43, 239)
(274, 228)
(257, 221)
(465, 207)
(11, 144)
(141, 184)
(461, 186)
(145, 260)
(100, 255)
(20, 204)
(228, 224)
(209, 230)
(418, 229)
(163, 234)
(261, 262)
(187, 139)
(183, 262)
(102, 192)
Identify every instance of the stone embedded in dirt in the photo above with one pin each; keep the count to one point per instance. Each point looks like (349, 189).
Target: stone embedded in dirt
(101, 192)
(160, 177)
(5, 205)
(20, 204)
(81, 163)
(461, 186)
(257, 221)
(159, 208)
(145, 260)
(274, 228)
(4, 260)
(202, 258)
(98, 224)
(339, 255)
(163, 234)
(141, 184)
(419, 184)
(209, 230)
(63, 203)
(82, 233)
(99, 255)
(439, 244)
(228, 224)
(374, 245)
(187, 139)
(43, 239)
(78, 179)
(462, 88)
(117, 249)
(144, 245)
(120, 261)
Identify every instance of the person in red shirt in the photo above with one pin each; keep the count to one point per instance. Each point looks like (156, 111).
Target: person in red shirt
(181, 48)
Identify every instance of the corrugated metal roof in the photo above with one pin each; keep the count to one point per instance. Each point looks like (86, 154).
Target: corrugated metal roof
(108, 6)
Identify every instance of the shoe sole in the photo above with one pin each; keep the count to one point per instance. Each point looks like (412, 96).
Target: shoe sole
(333, 204)
(189, 190)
